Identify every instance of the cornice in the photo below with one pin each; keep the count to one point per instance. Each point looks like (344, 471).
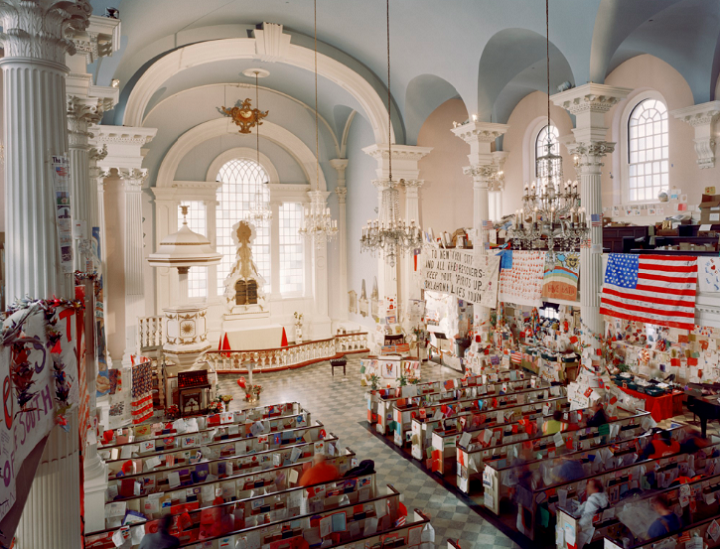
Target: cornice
(591, 97)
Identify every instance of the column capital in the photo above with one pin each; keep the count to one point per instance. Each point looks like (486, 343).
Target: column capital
(480, 132)
(588, 155)
(340, 164)
(133, 178)
(703, 118)
(97, 155)
(100, 39)
(124, 144)
(37, 29)
(341, 193)
(481, 173)
(589, 103)
(405, 160)
(412, 183)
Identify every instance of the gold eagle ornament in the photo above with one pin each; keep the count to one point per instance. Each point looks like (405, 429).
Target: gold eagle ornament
(244, 115)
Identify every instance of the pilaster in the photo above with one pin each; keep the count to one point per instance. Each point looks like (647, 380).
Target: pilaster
(703, 118)
(340, 165)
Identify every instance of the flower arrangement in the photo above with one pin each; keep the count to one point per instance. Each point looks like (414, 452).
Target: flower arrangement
(172, 412)
(374, 379)
(402, 380)
(298, 318)
(219, 404)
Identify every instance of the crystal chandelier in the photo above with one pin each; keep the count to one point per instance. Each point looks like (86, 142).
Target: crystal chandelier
(551, 216)
(317, 224)
(389, 236)
(260, 211)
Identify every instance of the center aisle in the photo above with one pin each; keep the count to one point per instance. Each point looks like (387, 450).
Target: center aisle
(338, 403)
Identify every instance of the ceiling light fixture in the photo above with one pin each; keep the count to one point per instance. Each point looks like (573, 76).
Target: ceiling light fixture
(317, 224)
(260, 211)
(389, 236)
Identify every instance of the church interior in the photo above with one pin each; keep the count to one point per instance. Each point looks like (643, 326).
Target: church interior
(360, 274)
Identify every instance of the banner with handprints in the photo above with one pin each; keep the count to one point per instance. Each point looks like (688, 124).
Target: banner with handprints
(560, 279)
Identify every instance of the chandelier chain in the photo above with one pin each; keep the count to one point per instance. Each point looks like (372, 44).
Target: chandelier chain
(387, 10)
(317, 124)
(547, 53)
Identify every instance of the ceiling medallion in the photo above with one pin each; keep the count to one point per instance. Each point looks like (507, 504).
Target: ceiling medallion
(244, 115)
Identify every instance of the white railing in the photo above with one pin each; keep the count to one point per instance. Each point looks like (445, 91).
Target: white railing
(286, 357)
(150, 332)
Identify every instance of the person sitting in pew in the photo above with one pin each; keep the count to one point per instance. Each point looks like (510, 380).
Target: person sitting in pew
(161, 539)
(668, 521)
(569, 470)
(320, 472)
(660, 446)
(599, 416)
(596, 501)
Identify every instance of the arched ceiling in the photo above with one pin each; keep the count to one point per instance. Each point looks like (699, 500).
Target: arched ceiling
(488, 51)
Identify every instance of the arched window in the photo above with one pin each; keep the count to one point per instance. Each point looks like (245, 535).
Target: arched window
(241, 179)
(541, 143)
(197, 222)
(648, 150)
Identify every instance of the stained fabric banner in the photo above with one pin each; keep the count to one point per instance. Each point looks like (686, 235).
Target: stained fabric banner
(467, 275)
(38, 369)
(560, 280)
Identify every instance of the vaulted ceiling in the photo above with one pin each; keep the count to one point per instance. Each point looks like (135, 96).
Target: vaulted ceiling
(489, 53)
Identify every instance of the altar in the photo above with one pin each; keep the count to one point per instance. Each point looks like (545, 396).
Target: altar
(252, 339)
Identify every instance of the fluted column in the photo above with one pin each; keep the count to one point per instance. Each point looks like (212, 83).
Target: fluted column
(51, 517)
(589, 169)
(407, 266)
(134, 280)
(82, 111)
(340, 165)
(321, 324)
(481, 176)
(589, 103)
(35, 127)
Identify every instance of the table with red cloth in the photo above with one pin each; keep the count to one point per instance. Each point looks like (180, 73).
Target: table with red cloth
(660, 407)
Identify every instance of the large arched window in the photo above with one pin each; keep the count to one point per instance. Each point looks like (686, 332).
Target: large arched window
(541, 142)
(648, 151)
(241, 179)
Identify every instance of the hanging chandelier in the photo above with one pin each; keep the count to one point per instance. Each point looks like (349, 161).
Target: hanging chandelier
(389, 236)
(260, 211)
(551, 217)
(317, 224)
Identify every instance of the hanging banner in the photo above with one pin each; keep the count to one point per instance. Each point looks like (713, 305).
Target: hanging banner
(461, 273)
(521, 278)
(63, 214)
(38, 371)
(560, 280)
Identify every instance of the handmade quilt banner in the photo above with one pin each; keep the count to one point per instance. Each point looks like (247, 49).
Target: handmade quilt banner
(142, 403)
(39, 376)
(468, 275)
(560, 279)
(521, 278)
(655, 289)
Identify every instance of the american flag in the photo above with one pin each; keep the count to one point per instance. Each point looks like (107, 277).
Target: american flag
(516, 357)
(656, 289)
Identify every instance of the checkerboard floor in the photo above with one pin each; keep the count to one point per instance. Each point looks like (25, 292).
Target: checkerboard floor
(339, 403)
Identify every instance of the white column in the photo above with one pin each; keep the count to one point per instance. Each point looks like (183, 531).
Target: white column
(134, 279)
(51, 517)
(483, 162)
(340, 165)
(321, 322)
(407, 265)
(35, 127)
(589, 103)
(405, 166)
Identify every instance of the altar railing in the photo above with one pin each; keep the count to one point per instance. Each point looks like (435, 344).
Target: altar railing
(292, 356)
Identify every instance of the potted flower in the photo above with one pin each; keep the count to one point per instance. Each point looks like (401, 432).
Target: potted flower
(374, 379)
(252, 393)
(172, 412)
(226, 401)
(402, 380)
(215, 406)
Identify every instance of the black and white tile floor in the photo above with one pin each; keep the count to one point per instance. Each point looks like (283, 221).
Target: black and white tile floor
(339, 403)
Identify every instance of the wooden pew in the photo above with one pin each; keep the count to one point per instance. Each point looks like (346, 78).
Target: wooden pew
(238, 486)
(193, 444)
(529, 500)
(472, 461)
(239, 417)
(282, 504)
(422, 429)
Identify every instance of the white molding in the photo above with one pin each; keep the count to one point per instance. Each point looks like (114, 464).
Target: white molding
(124, 145)
(289, 193)
(405, 160)
(703, 119)
(234, 49)
(245, 153)
(271, 44)
(223, 126)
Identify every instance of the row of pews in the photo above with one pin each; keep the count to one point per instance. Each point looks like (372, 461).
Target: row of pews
(484, 435)
(231, 481)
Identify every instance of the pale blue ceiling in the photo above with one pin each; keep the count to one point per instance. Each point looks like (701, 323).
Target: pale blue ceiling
(487, 52)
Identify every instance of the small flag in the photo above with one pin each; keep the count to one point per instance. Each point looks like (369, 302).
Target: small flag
(516, 357)
(596, 220)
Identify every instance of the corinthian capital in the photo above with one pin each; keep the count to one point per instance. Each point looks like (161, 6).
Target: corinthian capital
(133, 178)
(481, 173)
(37, 28)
